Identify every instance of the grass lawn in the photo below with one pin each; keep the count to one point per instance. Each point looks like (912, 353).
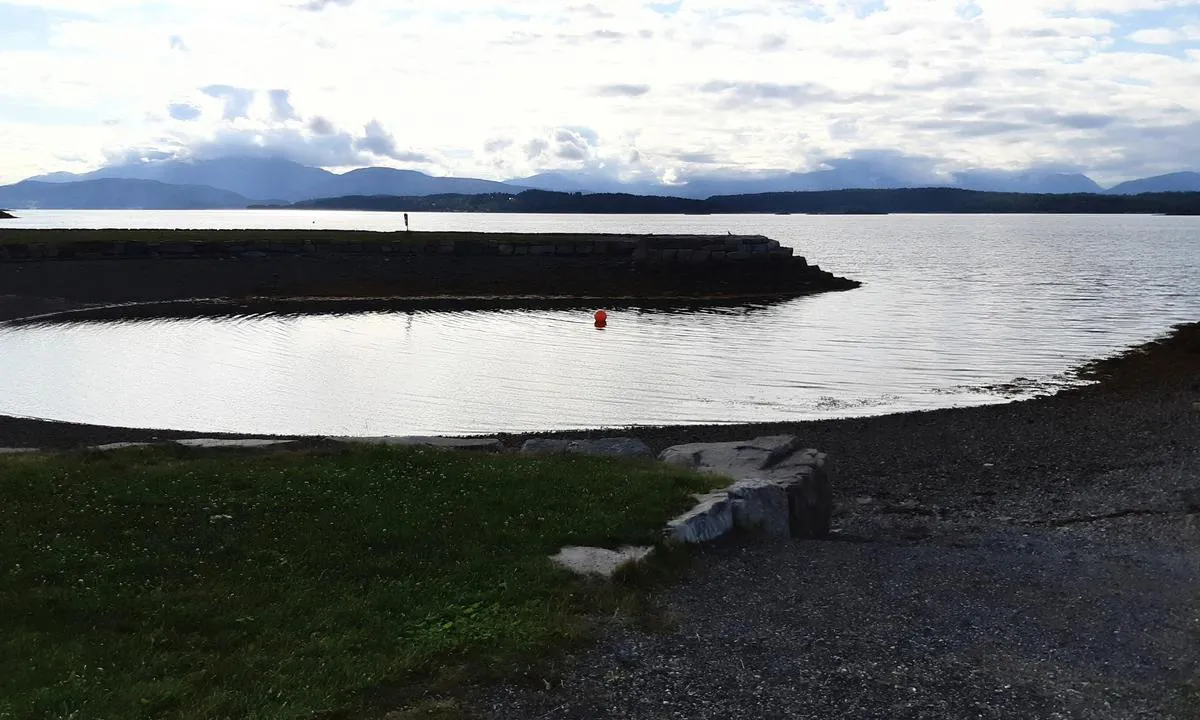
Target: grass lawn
(178, 583)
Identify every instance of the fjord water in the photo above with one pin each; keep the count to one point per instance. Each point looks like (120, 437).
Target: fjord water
(949, 306)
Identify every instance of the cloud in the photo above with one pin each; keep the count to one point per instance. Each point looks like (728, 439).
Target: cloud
(319, 5)
(237, 100)
(281, 105)
(1077, 121)
(592, 10)
(740, 94)
(321, 126)
(184, 111)
(379, 142)
(536, 148)
(622, 90)
(758, 85)
(771, 43)
(1166, 36)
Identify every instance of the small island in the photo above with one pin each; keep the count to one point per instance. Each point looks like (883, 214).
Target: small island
(5, 215)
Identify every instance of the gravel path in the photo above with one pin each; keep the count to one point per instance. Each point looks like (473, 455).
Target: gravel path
(1034, 560)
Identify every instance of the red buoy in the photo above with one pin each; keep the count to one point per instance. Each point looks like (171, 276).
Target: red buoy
(601, 318)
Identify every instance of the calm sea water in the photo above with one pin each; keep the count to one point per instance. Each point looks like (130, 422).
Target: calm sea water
(950, 305)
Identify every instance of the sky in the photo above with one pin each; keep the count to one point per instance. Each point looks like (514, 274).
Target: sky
(629, 89)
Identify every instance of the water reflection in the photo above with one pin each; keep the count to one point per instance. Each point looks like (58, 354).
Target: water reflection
(953, 310)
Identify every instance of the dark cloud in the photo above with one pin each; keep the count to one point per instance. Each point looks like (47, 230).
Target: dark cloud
(535, 148)
(623, 90)
(574, 143)
(378, 141)
(177, 43)
(335, 149)
(319, 5)
(965, 108)
(698, 157)
(1140, 150)
(321, 126)
(1076, 121)
(882, 167)
(183, 111)
(281, 106)
(237, 100)
(771, 43)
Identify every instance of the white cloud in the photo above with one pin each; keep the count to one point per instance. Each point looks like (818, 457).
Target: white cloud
(475, 85)
(1156, 36)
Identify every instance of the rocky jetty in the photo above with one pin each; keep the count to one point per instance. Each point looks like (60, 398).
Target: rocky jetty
(148, 266)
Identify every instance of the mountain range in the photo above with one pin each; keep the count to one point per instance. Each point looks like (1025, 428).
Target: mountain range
(234, 182)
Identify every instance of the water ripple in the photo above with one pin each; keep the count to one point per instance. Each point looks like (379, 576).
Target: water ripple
(955, 310)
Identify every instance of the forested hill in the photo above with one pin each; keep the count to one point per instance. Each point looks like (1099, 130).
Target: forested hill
(913, 200)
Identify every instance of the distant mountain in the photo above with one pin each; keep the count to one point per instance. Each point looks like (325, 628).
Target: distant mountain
(389, 181)
(117, 193)
(835, 179)
(1028, 182)
(846, 175)
(1171, 182)
(258, 178)
(277, 180)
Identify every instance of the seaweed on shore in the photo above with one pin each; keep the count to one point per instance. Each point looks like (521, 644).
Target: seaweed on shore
(1175, 355)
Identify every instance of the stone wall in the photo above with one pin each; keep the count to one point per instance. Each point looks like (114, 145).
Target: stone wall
(24, 246)
(148, 266)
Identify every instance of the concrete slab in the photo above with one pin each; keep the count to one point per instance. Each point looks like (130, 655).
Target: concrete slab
(119, 446)
(231, 443)
(599, 561)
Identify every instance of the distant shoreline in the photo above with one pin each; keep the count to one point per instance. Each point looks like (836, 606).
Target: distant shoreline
(825, 202)
(934, 201)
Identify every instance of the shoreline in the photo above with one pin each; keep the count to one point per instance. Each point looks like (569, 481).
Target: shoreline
(1157, 369)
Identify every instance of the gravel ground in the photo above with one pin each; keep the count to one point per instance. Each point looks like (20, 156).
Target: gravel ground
(1033, 560)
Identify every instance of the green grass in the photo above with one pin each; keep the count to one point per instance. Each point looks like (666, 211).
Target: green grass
(176, 583)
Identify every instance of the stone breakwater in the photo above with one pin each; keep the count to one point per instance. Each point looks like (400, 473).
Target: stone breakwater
(113, 266)
(22, 246)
